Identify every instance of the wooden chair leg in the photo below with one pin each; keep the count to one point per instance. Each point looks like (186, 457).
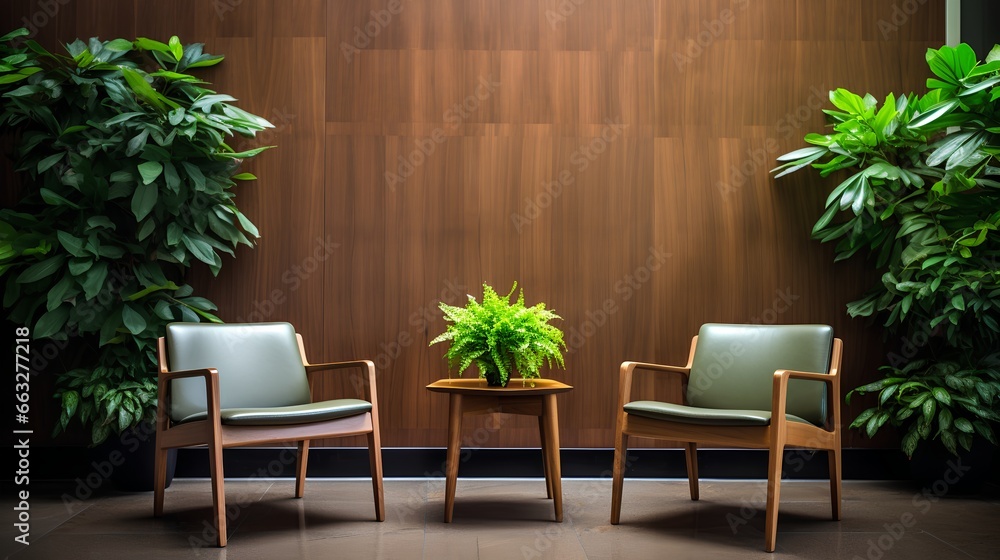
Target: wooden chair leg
(218, 489)
(545, 461)
(375, 461)
(691, 455)
(159, 480)
(835, 477)
(300, 470)
(618, 477)
(775, 458)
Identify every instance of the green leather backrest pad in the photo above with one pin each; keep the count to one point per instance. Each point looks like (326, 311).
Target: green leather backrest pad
(259, 365)
(734, 367)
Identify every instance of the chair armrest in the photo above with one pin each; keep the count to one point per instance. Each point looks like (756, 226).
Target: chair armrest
(367, 365)
(627, 368)
(779, 392)
(631, 366)
(211, 376)
(207, 373)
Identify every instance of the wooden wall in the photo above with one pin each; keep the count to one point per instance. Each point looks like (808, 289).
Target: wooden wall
(611, 156)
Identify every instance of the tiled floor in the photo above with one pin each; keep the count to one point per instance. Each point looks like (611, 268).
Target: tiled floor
(510, 519)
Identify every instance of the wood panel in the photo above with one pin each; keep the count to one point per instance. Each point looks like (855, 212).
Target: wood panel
(611, 156)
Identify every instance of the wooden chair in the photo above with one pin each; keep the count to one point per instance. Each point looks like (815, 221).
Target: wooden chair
(755, 386)
(248, 384)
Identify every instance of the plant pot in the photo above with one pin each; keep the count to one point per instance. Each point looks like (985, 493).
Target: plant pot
(128, 460)
(493, 379)
(934, 468)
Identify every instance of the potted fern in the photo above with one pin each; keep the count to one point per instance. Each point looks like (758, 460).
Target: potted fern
(501, 338)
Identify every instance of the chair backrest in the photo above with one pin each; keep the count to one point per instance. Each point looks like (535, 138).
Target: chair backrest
(259, 365)
(734, 367)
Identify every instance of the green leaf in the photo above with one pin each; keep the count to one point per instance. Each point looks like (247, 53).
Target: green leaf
(244, 177)
(46, 163)
(132, 320)
(151, 45)
(94, 279)
(964, 425)
(41, 270)
(21, 32)
(150, 171)
(70, 400)
(933, 113)
(155, 288)
(51, 322)
(847, 101)
(886, 394)
(176, 48)
(144, 200)
(909, 443)
(863, 417)
(143, 90)
(200, 249)
(146, 229)
(942, 395)
(118, 45)
(72, 244)
(206, 60)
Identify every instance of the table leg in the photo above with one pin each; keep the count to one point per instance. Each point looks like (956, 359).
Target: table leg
(545, 459)
(454, 449)
(550, 417)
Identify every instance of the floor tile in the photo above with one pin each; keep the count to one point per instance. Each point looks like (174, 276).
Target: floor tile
(509, 519)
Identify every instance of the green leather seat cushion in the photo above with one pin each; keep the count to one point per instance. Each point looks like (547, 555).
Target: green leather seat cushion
(284, 415)
(704, 416)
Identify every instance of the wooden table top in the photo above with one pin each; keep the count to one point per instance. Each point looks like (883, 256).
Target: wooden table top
(521, 387)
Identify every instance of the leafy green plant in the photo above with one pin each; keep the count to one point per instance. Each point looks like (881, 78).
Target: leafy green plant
(922, 200)
(926, 397)
(128, 183)
(501, 337)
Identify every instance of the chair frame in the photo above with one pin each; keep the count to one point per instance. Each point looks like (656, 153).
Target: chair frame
(217, 436)
(775, 437)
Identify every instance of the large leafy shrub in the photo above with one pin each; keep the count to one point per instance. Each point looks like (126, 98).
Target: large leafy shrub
(127, 183)
(922, 201)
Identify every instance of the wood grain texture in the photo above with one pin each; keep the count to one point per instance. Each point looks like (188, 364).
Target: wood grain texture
(611, 156)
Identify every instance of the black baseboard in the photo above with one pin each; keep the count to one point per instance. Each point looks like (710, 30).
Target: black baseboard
(62, 463)
(857, 464)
